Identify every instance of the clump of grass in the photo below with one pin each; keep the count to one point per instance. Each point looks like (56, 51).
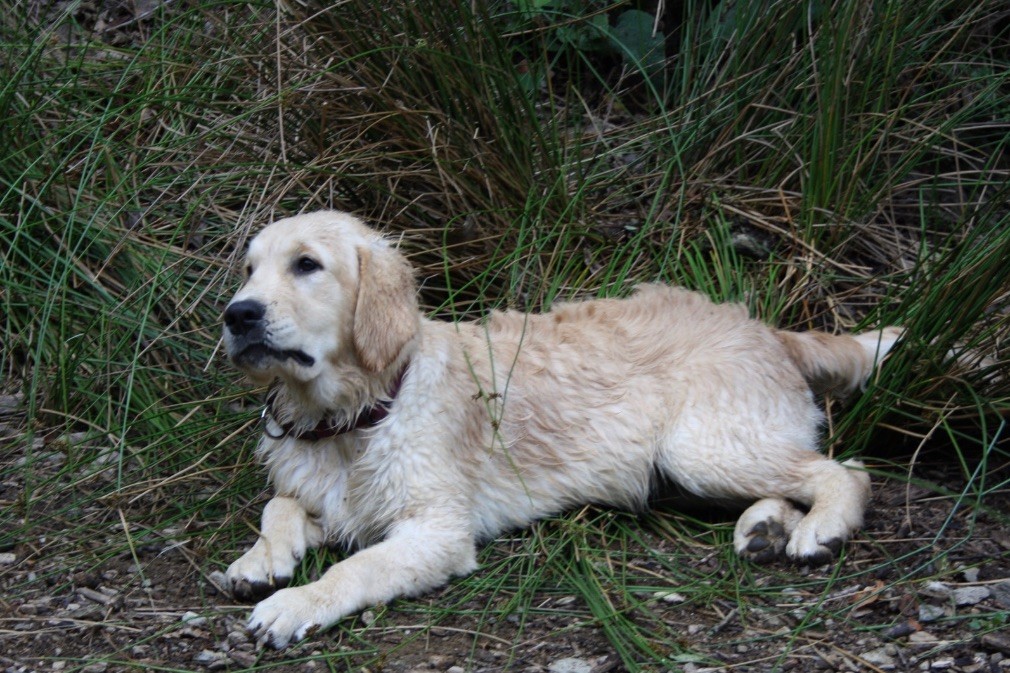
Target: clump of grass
(833, 166)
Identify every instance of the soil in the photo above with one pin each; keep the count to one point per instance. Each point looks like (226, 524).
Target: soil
(925, 586)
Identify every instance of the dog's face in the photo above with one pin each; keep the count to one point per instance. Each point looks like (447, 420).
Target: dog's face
(318, 295)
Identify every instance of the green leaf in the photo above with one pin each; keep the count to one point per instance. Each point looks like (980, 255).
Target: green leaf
(633, 37)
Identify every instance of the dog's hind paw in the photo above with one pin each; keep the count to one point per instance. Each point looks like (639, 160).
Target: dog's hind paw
(763, 531)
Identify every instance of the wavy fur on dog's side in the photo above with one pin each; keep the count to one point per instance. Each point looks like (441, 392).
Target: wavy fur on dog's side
(492, 425)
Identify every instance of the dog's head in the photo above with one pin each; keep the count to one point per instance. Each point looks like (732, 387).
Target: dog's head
(323, 293)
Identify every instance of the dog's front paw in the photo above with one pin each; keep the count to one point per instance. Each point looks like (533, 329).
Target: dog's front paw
(287, 616)
(258, 573)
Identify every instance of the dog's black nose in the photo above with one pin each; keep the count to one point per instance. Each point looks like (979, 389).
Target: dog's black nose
(242, 316)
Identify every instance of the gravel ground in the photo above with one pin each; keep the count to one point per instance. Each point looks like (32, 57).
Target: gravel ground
(156, 607)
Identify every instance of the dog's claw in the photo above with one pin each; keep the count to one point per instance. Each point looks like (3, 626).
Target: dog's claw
(251, 591)
(827, 553)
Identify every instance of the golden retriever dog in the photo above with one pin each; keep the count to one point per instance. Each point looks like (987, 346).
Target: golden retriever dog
(413, 440)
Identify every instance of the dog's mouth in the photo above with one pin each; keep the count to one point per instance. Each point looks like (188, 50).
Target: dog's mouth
(259, 355)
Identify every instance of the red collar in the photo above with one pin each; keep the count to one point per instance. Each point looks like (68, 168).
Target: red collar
(326, 428)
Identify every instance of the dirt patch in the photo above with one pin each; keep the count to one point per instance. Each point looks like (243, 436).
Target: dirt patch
(925, 586)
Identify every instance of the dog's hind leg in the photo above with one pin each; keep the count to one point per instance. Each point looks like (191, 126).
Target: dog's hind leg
(836, 495)
(805, 504)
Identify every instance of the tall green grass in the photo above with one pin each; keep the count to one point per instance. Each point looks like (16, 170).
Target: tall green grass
(833, 166)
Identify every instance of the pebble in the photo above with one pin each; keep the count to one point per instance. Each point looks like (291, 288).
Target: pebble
(1001, 594)
(930, 613)
(211, 659)
(997, 641)
(570, 665)
(193, 619)
(243, 659)
(970, 595)
(9, 403)
(7, 558)
(238, 637)
(669, 597)
(922, 638)
(936, 590)
(902, 629)
(882, 657)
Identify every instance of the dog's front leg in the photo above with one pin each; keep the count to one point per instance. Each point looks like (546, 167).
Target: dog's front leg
(416, 556)
(286, 532)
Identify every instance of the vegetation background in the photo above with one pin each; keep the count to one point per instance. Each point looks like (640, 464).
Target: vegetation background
(833, 165)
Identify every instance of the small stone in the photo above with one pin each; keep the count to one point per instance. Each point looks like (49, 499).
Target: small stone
(97, 667)
(455, 669)
(669, 597)
(970, 595)
(208, 657)
(902, 629)
(9, 403)
(930, 613)
(922, 638)
(238, 637)
(243, 659)
(882, 657)
(996, 641)
(1001, 594)
(942, 664)
(970, 575)
(193, 619)
(7, 558)
(937, 590)
(368, 617)
(570, 665)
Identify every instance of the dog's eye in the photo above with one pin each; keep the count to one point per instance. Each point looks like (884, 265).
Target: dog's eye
(304, 265)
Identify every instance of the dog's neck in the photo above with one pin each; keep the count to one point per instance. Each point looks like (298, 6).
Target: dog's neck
(332, 423)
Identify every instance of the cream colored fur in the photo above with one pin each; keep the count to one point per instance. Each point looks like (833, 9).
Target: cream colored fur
(501, 422)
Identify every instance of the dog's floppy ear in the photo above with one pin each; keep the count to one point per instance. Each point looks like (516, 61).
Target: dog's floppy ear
(386, 314)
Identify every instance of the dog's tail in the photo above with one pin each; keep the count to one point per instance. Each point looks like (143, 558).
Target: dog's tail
(839, 363)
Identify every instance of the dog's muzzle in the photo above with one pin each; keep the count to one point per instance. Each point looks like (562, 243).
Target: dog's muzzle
(249, 343)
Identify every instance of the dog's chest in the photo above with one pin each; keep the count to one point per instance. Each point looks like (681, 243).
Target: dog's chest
(315, 473)
(334, 482)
